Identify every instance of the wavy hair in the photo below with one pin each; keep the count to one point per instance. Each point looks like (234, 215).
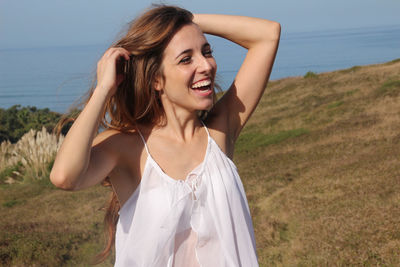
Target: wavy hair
(136, 101)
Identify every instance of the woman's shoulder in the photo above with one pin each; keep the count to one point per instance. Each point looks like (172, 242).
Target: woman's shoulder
(118, 141)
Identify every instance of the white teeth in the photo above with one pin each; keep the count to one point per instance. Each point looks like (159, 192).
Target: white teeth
(201, 84)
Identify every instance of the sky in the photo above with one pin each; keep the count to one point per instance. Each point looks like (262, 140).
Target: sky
(27, 23)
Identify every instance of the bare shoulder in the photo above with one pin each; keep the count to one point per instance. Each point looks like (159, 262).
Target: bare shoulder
(125, 149)
(114, 140)
(108, 136)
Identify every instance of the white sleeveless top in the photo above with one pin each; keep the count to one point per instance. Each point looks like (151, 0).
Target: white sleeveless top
(202, 221)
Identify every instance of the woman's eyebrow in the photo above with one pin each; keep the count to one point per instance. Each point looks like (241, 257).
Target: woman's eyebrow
(184, 52)
(205, 45)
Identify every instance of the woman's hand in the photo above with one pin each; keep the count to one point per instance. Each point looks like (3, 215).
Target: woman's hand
(108, 77)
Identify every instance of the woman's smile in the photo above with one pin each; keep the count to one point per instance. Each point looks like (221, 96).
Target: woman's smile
(203, 87)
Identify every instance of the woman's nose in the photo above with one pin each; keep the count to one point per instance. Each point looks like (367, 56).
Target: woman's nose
(205, 64)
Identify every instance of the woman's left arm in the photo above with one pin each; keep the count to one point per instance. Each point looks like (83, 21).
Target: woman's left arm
(261, 38)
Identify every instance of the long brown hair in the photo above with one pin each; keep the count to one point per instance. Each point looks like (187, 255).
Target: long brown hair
(135, 100)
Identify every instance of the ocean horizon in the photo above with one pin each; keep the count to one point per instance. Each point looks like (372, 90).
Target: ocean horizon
(57, 77)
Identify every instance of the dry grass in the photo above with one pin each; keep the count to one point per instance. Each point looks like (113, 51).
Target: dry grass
(331, 195)
(33, 152)
(40, 225)
(320, 163)
(43, 226)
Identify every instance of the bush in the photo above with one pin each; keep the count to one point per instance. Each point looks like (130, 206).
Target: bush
(310, 74)
(16, 121)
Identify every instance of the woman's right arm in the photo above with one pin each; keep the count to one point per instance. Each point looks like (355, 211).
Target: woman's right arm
(78, 163)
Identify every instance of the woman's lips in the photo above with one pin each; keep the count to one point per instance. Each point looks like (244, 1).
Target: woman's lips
(201, 83)
(203, 91)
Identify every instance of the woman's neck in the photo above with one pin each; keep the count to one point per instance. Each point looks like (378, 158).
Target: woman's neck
(179, 122)
(181, 127)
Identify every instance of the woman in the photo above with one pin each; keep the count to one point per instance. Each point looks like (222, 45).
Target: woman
(179, 199)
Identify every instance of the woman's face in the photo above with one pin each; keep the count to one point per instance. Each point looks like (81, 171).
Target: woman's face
(188, 69)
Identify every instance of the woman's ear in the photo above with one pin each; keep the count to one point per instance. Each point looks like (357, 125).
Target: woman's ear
(158, 84)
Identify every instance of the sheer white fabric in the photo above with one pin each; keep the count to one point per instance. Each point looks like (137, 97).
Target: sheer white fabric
(202, 221)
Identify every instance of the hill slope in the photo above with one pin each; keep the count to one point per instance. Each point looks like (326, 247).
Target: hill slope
(320, 163)
(320, 160)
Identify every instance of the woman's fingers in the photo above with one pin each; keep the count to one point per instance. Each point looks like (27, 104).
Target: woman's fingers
(117, 52)
(108, 76)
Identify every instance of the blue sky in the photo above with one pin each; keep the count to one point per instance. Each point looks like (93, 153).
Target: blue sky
(27, 23)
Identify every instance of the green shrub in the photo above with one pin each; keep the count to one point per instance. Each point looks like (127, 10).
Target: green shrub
(349, 70)
(310, 74)
(393, 61)
(16, 121)
(13, 172)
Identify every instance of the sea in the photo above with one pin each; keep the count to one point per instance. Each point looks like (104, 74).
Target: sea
(57, 77)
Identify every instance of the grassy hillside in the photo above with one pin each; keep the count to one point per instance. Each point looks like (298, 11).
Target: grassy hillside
(321, 167)
(320, 159)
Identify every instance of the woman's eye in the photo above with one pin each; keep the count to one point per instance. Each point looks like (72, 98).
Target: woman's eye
(185, 60)
(208, 52)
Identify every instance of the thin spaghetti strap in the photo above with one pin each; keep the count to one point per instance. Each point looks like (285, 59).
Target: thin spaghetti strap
(205, 127)
(144, 141)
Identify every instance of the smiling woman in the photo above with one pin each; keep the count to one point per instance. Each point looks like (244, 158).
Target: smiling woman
(177, 197)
